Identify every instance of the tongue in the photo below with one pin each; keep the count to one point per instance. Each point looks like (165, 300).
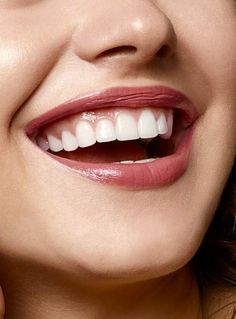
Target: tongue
(107, 152)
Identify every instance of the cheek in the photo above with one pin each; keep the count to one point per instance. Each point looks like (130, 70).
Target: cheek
(218, 63)
(27, 55)
(209, 41)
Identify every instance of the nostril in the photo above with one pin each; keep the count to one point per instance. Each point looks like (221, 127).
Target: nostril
(120, 50)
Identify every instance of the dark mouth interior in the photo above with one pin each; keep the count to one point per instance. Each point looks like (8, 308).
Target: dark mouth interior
(117, 151)
(135, 150)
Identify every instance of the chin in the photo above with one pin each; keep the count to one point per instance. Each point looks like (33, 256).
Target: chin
(129, 257)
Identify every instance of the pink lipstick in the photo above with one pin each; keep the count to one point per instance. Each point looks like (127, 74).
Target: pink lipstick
(159, 172)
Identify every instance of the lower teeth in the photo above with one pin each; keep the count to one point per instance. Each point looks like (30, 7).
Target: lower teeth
(147, 160)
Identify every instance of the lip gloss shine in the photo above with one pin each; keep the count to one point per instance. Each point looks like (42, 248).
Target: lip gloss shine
(154, 174)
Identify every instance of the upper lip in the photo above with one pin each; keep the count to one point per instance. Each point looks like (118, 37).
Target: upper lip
(151, 96)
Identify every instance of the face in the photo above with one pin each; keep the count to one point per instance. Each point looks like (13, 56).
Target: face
(53, 51)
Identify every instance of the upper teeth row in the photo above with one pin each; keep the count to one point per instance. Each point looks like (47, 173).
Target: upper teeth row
(126, 127)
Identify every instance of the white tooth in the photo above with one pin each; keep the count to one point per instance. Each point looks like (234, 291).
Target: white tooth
(69, 141)
(105, 131)
(147, 126)
(170, 117)
(126, 127)
(42, 142)
(147, 160)
(85, 134)
(162, 124)
(54, 143)
(126, 162)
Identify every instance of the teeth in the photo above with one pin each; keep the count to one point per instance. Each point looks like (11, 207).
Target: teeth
(42, 143)
(55, 144)
(69, 141)
(85, 134)
(162, 124)
(147, 127)
(147, 160)
(170, 117)
(126, 162)
(105, 131)
(126, 127)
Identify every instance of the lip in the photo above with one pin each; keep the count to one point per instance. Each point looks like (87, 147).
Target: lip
(149, 175)
(133, 97)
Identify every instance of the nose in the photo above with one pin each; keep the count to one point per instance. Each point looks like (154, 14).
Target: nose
(135, 30)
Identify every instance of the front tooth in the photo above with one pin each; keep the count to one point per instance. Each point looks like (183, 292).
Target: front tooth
(69, 141)
(85, 134)
(126, 127)
(54, 143)
(147, 127)
(105, 131)
(162, 124)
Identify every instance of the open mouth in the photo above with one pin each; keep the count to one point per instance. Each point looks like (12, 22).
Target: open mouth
(115, 142)
(113, 136)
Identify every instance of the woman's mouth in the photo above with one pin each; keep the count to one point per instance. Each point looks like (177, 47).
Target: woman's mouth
(133, 137)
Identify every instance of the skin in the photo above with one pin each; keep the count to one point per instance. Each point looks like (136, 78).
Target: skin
(61, 256)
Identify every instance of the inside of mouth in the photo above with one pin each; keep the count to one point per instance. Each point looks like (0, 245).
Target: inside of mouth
(128, 151)
(120, 151)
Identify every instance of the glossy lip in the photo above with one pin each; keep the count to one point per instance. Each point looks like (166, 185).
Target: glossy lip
(136, 176)
(149, 175)
(132, 97)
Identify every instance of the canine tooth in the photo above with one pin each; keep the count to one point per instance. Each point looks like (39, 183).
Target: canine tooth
(54, 143)
(170, 118)
(147, 127)
(85, 134)
(147, 160)
(105, 131)
(42, 143)
(126, 127)
(69, 141)
(162, 124)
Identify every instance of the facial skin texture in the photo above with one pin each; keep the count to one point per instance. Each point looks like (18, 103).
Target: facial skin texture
(73, 248)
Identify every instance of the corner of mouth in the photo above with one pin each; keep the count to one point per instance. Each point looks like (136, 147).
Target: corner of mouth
(120, 135)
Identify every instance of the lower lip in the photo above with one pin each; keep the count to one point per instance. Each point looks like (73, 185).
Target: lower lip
(155, 174)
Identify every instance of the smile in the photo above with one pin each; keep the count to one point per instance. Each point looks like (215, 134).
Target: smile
(136, 137)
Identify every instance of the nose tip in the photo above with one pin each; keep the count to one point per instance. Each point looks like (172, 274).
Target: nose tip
(137, 31)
